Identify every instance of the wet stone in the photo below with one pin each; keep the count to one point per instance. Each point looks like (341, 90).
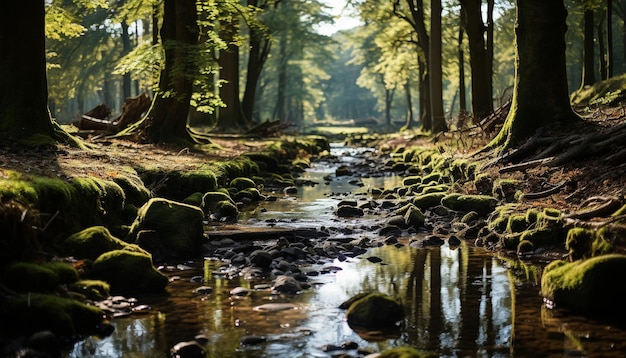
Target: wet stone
(349, 211)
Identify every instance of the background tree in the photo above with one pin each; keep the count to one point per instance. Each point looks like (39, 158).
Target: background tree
(480, 37)
(540, 96)
(436, 76)
(24, 114)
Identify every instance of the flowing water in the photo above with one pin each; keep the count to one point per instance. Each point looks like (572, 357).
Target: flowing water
(460, 302)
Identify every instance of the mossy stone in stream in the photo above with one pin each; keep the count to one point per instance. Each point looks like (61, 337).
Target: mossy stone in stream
(34, 312)
(211, 199)
(432, 177)
(251, 194)
(242, 183)
(482, 204)
(226, 208)
(179, 226)
(67, 273)
(516, 224)
(194, 199)
(95, 290)
(30, 277)
(128, 271)
(265, 162)
(578, 242)
(412, 216)
(438, 188)
(426, 201)
(93, 242)
(588, 286)
(375, 310)
(412, 180)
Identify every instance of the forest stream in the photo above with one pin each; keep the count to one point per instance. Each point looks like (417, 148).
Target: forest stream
(459, 300)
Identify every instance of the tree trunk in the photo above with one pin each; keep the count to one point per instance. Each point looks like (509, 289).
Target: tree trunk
(609, 38)
(125, 50)
(481, 57)
(461, 59)
(166, 120)
(601, 48)
(229, 117)
(388, 100)
(589, 77)
(424, 95)
(409, 106)
(280, 111)
(436, 73)
(540, 95)
(24, 114)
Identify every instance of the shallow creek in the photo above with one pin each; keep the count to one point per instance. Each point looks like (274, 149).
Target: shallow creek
(460, 301)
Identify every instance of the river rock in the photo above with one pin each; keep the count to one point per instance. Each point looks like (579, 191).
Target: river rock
(343, 171)
(349, 211)
(240, 292)
(587, 286)
(128, 271)
(93, 242)
(261, 259)
(191, 349)
(180, 226)
(286, 285)
(274, 307)
(375, 310)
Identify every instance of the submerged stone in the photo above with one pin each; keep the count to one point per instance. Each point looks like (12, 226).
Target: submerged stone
(591, 286)
(128, 272)
(375, 310)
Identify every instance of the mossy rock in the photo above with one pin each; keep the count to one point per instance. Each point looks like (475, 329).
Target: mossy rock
(211, 199)
(412, 180)
(505, 189)
(516, 224)
(426, 201)
(95, 290)
(194, 199)
(265, 162)
(432, 177)
(35, 312)
(543, 236)
(483, 184)
(414, 217)
(179, 184)
(588, 286)
(134, 189)
(226, 209)
(242, 183)
(251, 194)
(179, 226)
(30, 277)
(67, 273)
(93, 242)
(375, 310)
(578, 242)
(405, 352)
(128, 271)
(499, 224)
(602, 244)
(439, 188)
(79, 202)
(238, 167)
(482, 204)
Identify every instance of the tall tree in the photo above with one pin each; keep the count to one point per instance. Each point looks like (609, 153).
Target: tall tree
(540, 96)
(480, 37)
(609, 39)
(436, 75)
(589, 77)
(166, 121)
(24, 114)
(229, 116)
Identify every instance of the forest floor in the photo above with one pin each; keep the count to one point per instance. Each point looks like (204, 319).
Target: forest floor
(578, 170)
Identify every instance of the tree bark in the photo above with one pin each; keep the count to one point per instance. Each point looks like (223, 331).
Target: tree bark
(609, 38)
(229, 117)
(480, 37)
(166, 121)
(461, 59)
(589, 77)
(436, 73)
(24, 114)
(409, 106)
(540, 95)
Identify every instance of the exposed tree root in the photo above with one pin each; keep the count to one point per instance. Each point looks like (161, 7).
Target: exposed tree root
(608, 206)
(545, 193)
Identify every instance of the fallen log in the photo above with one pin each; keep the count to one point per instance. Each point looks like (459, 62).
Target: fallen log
(96, 120)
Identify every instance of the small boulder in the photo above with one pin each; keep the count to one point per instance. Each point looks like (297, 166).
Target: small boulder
(375, 310)
(128, 272)
(93, 242)
(346, 211)
(286, 285)
(588, 286)
(180, 227)
(343, 171)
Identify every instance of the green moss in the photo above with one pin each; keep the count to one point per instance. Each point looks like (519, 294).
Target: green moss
(252, 194)
(128, 272)
(426, 201)
(470, 217)
(601, 245)
(93, 242)
(531, 216)
(578, 242)
(242, 183)
(499, 224)
(179, 226)
(439, 188)
(37, 312)
(134, 189)
(226, 208)
(505, 189)
(432, 177)
(405, 352)
(482, 204)
(258, 180)
(95, 290)
(552, 213)
(546, 236)
(412, 180)
(264, 161)
(375, 310)
(211, 200)
(30, 277)
(511, 241)
(483, 184)
(66, 272)
(194, 199)
(587, 286)
(516, 224)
